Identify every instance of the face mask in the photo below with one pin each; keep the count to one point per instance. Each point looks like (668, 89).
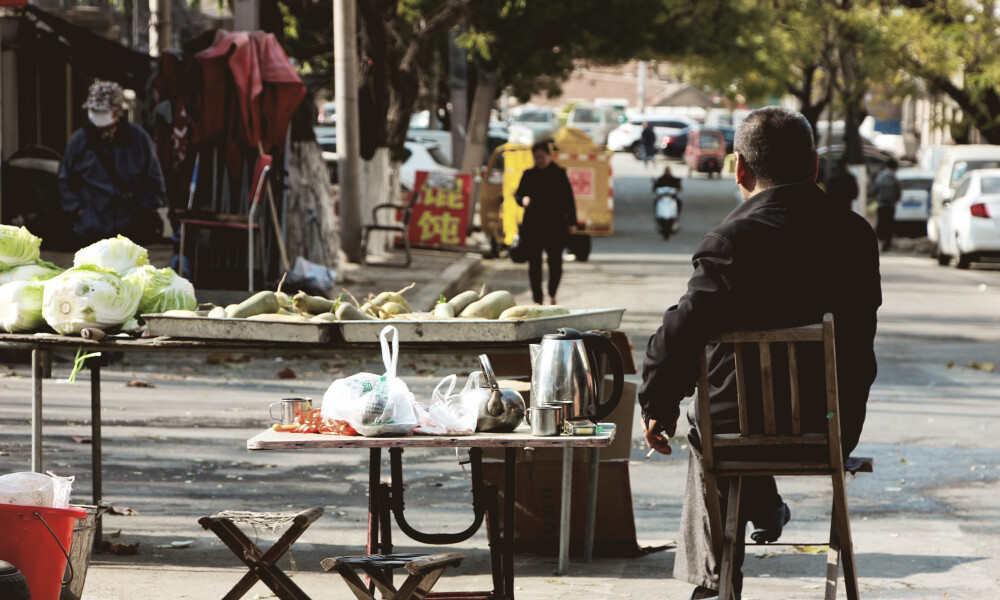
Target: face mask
(102, 118)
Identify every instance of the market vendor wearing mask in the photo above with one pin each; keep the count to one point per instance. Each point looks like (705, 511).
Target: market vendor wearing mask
(110, 178)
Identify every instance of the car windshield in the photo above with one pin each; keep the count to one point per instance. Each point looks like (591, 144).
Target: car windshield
(915, 184)
(437, 155)
(533, 116)
(964, 166)
(709, 142)
(586, 115)
(991, 185)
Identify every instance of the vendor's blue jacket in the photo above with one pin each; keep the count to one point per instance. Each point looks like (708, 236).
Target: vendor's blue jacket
(89, 193)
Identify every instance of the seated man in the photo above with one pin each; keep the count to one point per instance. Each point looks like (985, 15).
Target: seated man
(783, 258)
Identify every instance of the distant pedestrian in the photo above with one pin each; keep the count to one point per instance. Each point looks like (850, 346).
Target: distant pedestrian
(648, 139)
(549, 218)
(842, 187)
(110, 177)
(888, 192)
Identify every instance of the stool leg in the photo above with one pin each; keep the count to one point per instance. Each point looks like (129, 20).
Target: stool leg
(416, 587)
(842, 523)
(726, 591)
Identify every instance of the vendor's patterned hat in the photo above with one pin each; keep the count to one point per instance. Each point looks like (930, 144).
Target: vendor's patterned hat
(104, 96)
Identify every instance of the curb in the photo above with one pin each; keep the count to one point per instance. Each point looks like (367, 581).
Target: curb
(453, 279)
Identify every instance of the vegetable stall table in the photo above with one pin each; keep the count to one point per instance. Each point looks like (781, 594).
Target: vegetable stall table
(385, 500)
(41, 345)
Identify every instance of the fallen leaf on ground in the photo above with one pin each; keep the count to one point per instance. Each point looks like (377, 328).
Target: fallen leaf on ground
(176, 545)
(126, 511)
(105, 547)
(114, 534)
(950, 365)
(810, 549)
(286, 373)
(139, 383)
(80, 439)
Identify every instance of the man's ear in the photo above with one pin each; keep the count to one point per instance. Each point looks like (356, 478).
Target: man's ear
(814, 167)
(744, 178)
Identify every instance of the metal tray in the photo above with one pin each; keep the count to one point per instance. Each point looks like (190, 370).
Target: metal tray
(483, 330)
(239, 329)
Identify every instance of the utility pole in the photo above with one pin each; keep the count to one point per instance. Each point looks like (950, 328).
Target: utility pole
(345, 62)
(641, 91)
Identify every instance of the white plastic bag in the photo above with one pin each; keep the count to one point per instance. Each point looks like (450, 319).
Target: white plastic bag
(448, 413)
(35, 489)
(374, 405)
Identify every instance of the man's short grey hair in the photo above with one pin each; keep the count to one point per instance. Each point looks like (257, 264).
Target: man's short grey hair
(777, 146)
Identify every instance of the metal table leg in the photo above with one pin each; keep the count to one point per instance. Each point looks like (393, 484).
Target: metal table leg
(95, 439)
(509, 490)
(37, 360)
(588, 537)
(564, 515)
(374, 507)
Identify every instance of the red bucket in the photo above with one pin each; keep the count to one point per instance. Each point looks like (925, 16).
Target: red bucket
(36, 540)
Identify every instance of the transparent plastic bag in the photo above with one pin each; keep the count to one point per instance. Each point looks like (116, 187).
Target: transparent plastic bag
(448, 413)
(374, 405)
(27, 489)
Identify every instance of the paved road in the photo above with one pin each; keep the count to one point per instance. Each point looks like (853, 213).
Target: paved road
(927, 523)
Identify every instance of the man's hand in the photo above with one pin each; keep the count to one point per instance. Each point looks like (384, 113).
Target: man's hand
(571, 229)
(525, 201)
(658, 438)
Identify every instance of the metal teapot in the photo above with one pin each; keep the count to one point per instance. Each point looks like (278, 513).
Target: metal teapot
(500, 409)
(566, 367)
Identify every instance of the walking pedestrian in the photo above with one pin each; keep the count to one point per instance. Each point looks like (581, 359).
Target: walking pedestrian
(110, 177)
(648, 139)
(549, 218)
(888, 191)
(785, 257)
(842, 187)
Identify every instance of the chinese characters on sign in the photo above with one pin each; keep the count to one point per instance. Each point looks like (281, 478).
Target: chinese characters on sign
(582, 182)
(441, 212)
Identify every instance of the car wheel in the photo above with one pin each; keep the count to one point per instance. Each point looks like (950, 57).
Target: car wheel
(942, 257)
(636, 150)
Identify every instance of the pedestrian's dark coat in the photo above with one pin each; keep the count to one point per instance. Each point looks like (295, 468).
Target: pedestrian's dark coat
(552, 207)
(784, 258)
(86, 184)
(648, 136)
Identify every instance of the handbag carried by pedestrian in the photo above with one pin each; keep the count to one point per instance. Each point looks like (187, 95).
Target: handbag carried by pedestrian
(518, 252)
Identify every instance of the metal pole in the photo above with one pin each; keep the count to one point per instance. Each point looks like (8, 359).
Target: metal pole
(564, 514)
(588, 536)
(36, 409)
(345, 61)
(641, 91)
(95, 437)
(509, 499)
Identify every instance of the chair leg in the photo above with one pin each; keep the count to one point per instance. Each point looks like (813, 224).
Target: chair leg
(842, 525)
(250, 258)
(364, 246)
(726, 590)
(406, 247)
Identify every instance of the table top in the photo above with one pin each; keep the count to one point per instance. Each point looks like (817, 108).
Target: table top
(520, 438)
(45, 341)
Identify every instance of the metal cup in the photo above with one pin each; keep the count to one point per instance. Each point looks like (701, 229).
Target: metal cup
(290, 408)
(569, 409)
(544, 420)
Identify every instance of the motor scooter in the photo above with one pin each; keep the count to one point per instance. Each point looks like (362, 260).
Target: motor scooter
(667, 209)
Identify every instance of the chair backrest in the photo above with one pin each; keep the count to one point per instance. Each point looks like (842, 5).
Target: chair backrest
(260, 177)
(774, 437)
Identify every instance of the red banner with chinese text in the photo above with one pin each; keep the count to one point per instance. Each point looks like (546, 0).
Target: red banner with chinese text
(440, 214)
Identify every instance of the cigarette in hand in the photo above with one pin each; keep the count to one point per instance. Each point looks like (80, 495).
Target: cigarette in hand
(649, 454)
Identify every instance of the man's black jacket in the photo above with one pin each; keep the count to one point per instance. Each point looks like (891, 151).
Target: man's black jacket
(782, 259)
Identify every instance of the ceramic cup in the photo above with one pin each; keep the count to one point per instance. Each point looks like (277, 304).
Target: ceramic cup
(290, 408)
(544, 420)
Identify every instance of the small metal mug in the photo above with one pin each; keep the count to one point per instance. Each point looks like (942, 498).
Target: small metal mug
(568, 412)
(290, 409)
(544, 420)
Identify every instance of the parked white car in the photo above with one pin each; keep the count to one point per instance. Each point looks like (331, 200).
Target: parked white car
(596, 121)
(970, 222)
(627, 137)
(914, 206)
(955, 163)
(533, 125)
(420, 156)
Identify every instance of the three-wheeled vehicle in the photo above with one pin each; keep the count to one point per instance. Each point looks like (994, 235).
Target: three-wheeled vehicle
(588, 167)
(706, 151)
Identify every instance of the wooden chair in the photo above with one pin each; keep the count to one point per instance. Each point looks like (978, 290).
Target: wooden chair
(248, 222)
(761, 439)
(399, 226)
(261, 563)
(424, 571)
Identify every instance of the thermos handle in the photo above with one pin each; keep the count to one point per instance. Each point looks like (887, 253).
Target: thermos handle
(596, 345)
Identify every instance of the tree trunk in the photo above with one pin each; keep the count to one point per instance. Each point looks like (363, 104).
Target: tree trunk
(315, 233)
(479, 121)
(381, 177)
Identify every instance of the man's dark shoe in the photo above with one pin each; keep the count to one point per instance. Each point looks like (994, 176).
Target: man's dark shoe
(769, 530)
(704, 593)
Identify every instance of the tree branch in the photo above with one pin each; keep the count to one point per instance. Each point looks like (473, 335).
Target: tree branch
(437, 25)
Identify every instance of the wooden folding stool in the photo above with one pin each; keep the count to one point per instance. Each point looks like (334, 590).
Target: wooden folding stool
(262, 564)
(424, 569)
